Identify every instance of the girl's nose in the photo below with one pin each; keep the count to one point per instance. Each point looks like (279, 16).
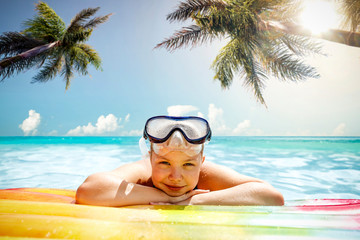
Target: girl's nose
(175, 174)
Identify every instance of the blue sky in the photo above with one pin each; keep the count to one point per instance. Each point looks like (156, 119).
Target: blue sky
(138, 82)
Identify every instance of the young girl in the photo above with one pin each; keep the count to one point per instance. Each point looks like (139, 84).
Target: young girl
(176, 173)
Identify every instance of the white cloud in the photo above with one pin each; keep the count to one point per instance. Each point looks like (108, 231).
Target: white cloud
(29, 125)
(200, 114)
(216, 120)
(127, 118)
(219, 127)
(339, 130)
(242, 127)
(104, 125)
(180, 110)
(107, 124)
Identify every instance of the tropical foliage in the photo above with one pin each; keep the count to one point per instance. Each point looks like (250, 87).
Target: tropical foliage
(351, 12)
(48, 44)
(262, 39)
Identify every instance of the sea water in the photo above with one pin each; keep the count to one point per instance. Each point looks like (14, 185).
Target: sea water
(299, 167)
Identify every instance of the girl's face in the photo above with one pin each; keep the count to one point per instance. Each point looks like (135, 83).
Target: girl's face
(176, 173)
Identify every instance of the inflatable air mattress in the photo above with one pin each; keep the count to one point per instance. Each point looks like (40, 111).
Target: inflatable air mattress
(52, 213)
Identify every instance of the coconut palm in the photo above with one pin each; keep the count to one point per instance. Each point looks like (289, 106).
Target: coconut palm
(47, 43)
(348, 35)
(351, 12)
(262, 39)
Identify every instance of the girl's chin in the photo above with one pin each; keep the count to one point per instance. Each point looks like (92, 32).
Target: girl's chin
(174, 192)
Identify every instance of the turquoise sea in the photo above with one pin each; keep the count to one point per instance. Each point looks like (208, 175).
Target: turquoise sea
(300, 167)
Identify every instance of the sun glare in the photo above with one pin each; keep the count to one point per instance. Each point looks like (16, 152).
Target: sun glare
(319, 15)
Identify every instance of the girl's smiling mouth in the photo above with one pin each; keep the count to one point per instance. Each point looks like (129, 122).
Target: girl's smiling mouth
(174, 188)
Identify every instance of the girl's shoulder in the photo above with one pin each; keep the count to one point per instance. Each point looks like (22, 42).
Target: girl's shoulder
(137, 172)
(216, 177)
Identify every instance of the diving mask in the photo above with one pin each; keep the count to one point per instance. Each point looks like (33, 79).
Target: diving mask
(177, 142)
(195, 130)
(186, 134)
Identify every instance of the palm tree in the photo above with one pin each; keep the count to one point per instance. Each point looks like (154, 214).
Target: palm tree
(47, 43)
(349, 35)
(262, 39)
(351, 12)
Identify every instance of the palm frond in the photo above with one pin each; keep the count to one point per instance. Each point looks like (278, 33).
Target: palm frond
(351, 11)
(237, 20)
(79, 59)
(47, 25)
(38, 28)
(237, 57)
(13, 43)
(74, 37)
(192, 35)
(96, 21)
(91, 55)
(254, 80)
(254, 74)
(301, 46)
(79, 20)
(21, 65)
(46, 12)
(283, 64)
(79, 30)
(39, 51)
(67, 71)
(226, 63)
(287, 11)
(49, 70)
(278, 10)
(190, 8)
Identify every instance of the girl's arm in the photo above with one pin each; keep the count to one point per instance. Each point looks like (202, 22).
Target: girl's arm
(228, 187)
(251, 193)
(107, 189)
(119, 188)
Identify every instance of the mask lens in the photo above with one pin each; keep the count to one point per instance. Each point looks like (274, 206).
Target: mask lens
(160, 127)
(177, 142)
(192, 127)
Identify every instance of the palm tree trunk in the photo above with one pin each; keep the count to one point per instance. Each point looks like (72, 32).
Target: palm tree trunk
(29, 53)
(333, 35)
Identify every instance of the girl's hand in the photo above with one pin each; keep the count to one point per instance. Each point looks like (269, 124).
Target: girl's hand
(181, 200)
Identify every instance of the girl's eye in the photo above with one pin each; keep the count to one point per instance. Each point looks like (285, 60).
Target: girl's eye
(164, 163)
(189, 164)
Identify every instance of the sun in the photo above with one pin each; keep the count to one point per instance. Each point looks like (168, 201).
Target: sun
(319, 15)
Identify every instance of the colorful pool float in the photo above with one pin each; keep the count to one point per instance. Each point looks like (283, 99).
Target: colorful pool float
(52, 213)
